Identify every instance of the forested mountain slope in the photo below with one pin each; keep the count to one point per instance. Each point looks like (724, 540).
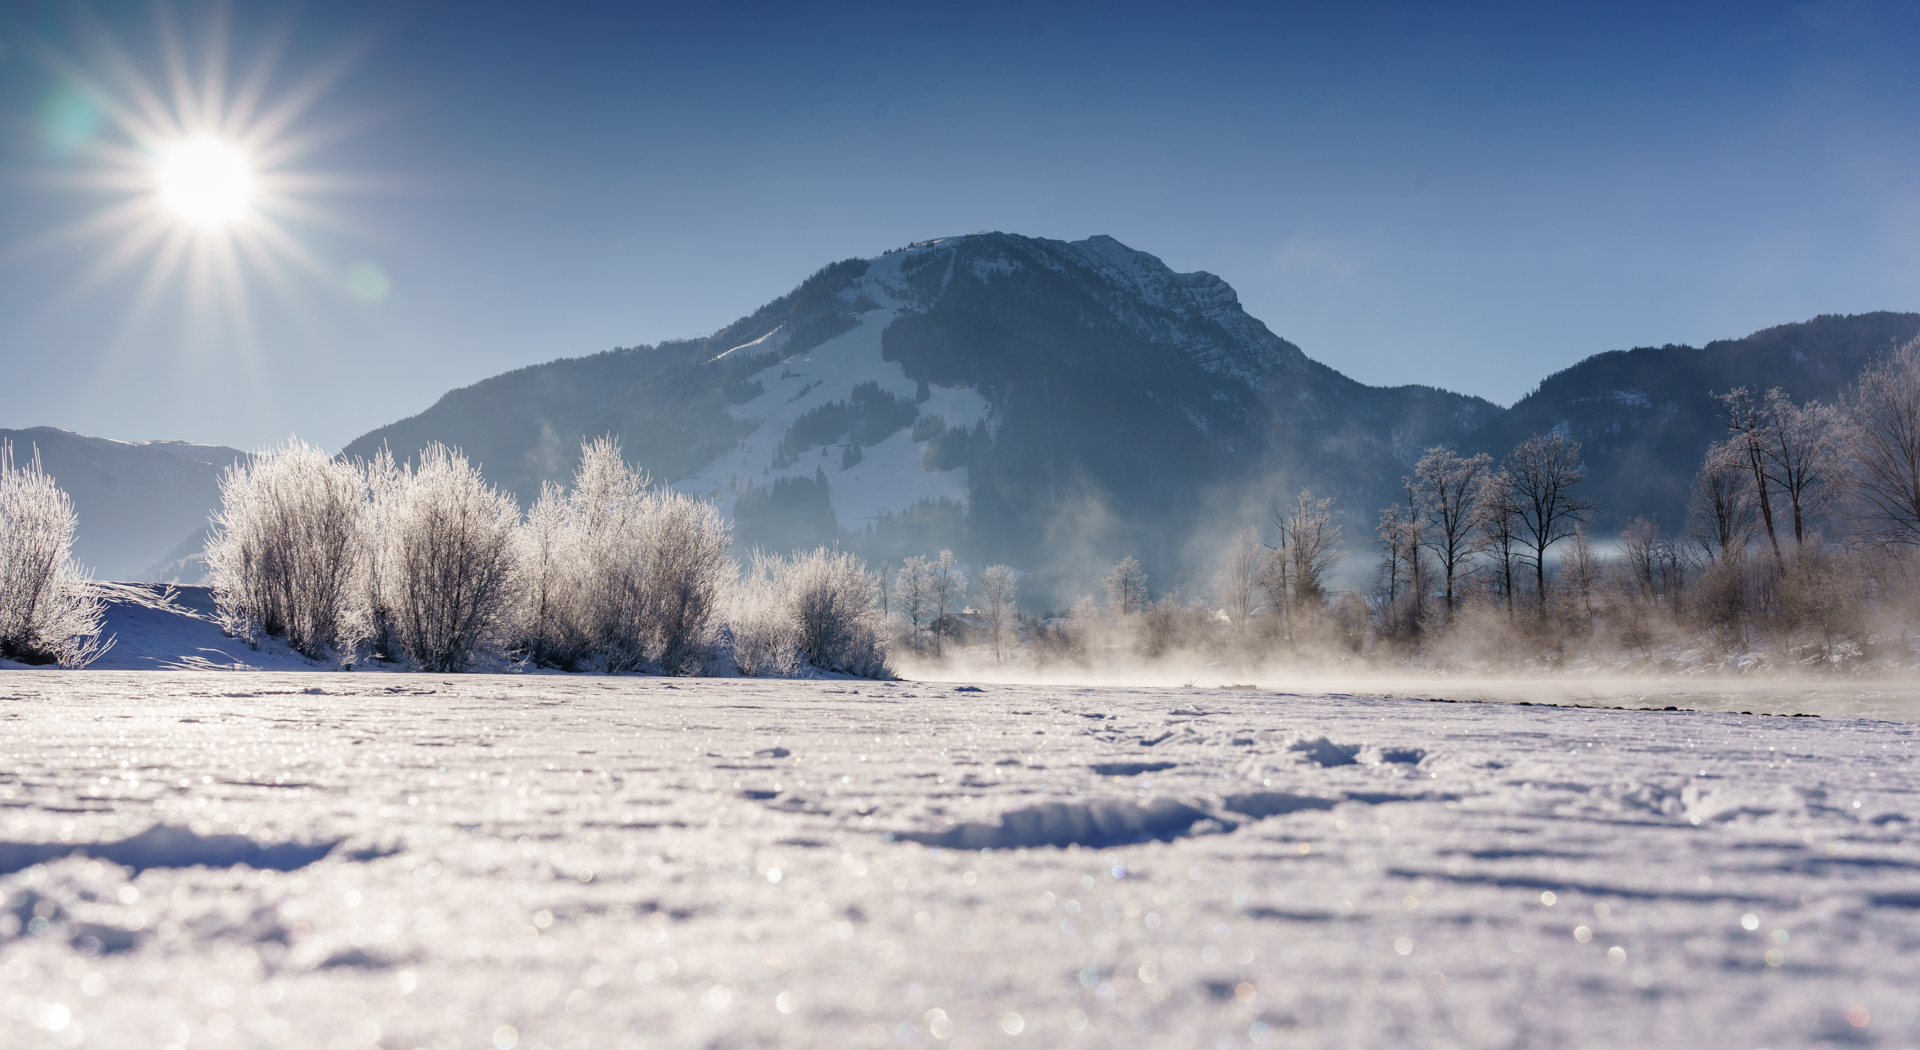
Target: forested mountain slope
(1644, 417)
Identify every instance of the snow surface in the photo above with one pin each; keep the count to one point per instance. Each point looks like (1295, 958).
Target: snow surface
(522, 861)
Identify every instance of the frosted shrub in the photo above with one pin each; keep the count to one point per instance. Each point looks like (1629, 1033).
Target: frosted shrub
(620, 575)
(287, 555)
(49, 612)
(550, 590)
(836, 609)
(820, 608)
(443, 560)
(766, 635)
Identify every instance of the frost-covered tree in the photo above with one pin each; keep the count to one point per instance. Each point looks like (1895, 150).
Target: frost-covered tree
(913, 599)
(946, 589)
(760, 614)
(1310, 543)
(1498, 528)
(1580, 575)
(1802, 447)
(1746, 420)
(49, 611)
(445, 562)
(1544, 474)
(1398, 576)
(385, 482)
(287, 556)
(1720, 508)
(1126, 586)
(1238, 583)
(994, 590)
(1448, 489)
(1885, 407)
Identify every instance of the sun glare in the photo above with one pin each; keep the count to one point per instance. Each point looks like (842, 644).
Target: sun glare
(203, 196)
(205, 182)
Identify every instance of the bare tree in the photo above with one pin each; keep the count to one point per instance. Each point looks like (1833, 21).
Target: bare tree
(1801, 446)
(1498, 527)
(1885, 407)
(994, 589)
(1126, 587)
(1448, 491)
(1720, 508)
(1543, 473)
(1238, 581)
(49, 612)
(1746, 420)
(1397, 539)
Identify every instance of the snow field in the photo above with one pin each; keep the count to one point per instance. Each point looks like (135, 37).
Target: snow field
(549, 861)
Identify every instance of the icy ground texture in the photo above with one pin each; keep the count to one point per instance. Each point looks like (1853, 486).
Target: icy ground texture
(521, 862)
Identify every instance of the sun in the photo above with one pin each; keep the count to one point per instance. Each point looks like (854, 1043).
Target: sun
(200, 175)
(204, 181)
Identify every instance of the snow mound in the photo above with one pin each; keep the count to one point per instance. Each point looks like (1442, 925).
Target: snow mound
(1097, 824)
(171, 846)
(1323, 752)
(1129, 769)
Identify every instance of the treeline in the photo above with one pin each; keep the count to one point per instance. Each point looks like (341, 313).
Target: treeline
(1801, 547)
(428, 565)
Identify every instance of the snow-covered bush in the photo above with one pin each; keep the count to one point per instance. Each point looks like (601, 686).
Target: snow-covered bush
(442, 559)
(760, 614)
(49, 612)
(619, 575)
(550, 622)
(836, 607)
(820, 608)
(287, 556)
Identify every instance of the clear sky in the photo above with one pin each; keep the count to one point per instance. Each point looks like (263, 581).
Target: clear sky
(1466, 196)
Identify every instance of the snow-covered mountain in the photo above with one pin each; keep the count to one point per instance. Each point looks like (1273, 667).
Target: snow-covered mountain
(1045, 403)
(1053, 405)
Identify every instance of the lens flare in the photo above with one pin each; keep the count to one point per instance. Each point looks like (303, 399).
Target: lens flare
(205, 181)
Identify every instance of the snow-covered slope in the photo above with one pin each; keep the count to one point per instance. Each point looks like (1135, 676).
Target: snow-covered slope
(891, 475)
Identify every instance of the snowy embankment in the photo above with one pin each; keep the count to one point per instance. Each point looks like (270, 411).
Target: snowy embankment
(520, 862)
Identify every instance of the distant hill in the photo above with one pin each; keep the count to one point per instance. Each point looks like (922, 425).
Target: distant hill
(1645, 417)
(135, 500)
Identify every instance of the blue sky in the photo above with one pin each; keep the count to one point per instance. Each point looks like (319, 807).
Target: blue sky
(1466, 196)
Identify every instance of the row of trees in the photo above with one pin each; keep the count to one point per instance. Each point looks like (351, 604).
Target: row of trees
(1802, 543)
(927, 603)
(428, 564)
